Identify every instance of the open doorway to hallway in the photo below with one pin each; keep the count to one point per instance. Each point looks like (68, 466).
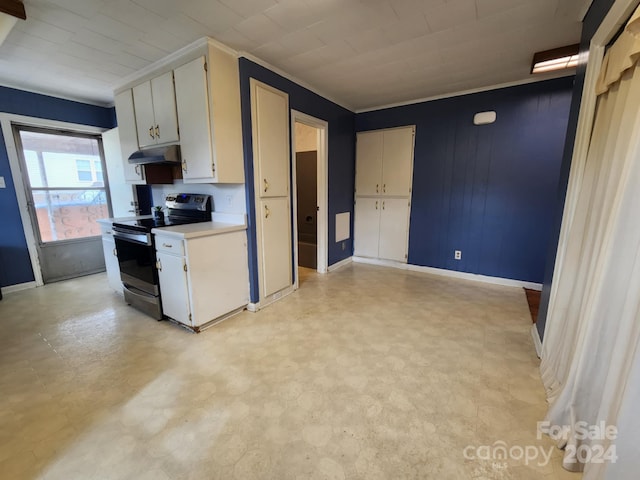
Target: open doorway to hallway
(306, 151)
(310, 215)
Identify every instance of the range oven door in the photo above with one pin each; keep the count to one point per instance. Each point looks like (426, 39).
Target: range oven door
(137, 261)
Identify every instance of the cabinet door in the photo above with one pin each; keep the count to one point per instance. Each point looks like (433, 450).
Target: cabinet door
(369, 163)
(366, 227)
(145, 121)
(276, 244)
(174, 289)
(397, 161)
(192, 100)
(394, 229)
(111, 263)
(164, 109)
(128, 136)
(271, 140)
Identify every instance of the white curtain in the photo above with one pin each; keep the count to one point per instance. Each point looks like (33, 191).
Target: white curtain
(591, 349)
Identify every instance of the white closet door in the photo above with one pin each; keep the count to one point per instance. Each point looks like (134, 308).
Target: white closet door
(270, 122)
(394, 229)
(271, 140)
(366, 227)
(276, 244)
(369, 148)
(164, 108)
(397, 161)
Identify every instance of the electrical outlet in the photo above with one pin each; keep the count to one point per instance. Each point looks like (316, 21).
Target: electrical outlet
(458, 255)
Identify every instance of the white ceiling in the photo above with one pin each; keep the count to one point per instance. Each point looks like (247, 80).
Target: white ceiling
(361, 53)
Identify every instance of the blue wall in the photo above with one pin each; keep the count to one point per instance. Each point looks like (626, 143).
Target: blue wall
(15, 265)
(593, 19)
(341, 155)
(489, 190)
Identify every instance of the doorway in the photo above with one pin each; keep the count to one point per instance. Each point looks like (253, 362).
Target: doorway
(65, 182)
(309, 143)
(306, 150)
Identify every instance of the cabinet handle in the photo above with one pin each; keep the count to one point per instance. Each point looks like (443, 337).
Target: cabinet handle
(159, 265)
(384, 188)
(151, 132)
(137, 170)
(166, 245)
(376, 204)
(267, 212)
(184, 165)
(383, 204)
(266, 185)
(157, 131)
(377, 188)
(115, 252)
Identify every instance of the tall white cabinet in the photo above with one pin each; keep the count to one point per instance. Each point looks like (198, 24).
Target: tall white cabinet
(271, 157)
(384, 173)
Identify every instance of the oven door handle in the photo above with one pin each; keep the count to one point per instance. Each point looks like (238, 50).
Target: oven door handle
(141, 238)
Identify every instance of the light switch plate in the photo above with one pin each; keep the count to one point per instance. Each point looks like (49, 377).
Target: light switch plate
(2, 183)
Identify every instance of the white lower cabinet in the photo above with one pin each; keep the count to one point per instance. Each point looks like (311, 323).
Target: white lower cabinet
(202, 279)
(381, 228)
(111, 259)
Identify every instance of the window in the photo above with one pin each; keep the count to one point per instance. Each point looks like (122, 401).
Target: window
(84, 171)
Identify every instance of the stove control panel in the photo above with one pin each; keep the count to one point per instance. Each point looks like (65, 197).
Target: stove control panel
(188, 201)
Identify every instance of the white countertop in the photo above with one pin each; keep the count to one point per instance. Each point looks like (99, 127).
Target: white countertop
(110, 221)
(220, 223)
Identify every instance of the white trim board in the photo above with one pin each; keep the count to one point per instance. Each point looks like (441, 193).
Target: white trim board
(265, 302)
(18, 287)
(536, 340)
(340, 264)
(506, 282)
(6, 120)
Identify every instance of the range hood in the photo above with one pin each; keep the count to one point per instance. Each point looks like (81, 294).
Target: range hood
(168, 155)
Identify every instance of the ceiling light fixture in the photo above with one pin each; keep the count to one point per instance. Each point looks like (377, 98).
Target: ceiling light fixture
(10, 12)
(555, 59)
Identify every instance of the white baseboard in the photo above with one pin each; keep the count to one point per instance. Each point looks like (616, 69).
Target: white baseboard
(254, 307)
(18, 287)
(507, 282)
(340, 264)
(536, 340)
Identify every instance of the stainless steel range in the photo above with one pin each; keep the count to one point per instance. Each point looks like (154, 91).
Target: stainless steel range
(137, 252)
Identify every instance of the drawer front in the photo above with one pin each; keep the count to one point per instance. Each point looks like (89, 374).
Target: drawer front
(107, 230)
(170, 245)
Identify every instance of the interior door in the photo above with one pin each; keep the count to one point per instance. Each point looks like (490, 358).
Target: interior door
(271, 141)
(369, 163)
(397, 161)
(276, 244)
(367, 227)
(67, 193)
(394, 227)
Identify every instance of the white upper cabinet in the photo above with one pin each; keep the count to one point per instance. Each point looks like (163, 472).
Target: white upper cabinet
(397, 161)
(384, 162)
(128, 137)
(369, 163)
(208, 101)
(155, 111)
